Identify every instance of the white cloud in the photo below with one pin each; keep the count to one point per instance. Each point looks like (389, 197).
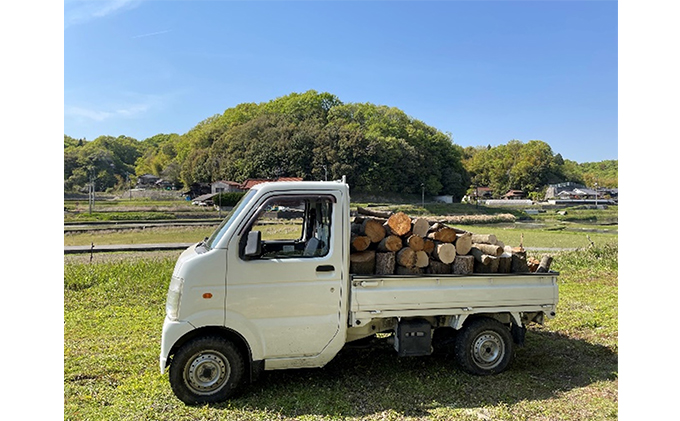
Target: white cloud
(80, 11)
(131, 105)
(125, 111)
(87, 113)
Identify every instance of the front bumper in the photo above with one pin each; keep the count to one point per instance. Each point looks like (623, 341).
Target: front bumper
(173, 330)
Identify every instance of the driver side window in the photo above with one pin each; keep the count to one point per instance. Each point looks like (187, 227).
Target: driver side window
(293, 226)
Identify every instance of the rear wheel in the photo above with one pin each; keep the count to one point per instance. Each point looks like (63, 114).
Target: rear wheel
(206, 370)
(484, 347)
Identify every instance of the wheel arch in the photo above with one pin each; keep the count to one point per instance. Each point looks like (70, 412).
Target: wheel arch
(253, 368)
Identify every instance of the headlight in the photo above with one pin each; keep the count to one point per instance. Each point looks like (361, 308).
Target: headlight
(174, 295)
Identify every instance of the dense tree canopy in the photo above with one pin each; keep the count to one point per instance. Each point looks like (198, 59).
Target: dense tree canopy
(315, 136)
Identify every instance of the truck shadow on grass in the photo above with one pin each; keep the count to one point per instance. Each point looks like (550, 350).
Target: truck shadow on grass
(362, 382)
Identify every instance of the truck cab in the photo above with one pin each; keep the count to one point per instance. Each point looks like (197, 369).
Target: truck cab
(272, 278)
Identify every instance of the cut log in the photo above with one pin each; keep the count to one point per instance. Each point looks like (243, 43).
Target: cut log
(445, 235)
(490, 249)
(375, 213)
(362, 263)
(533, 264)
(359, 242)
(422, 259)
(519, 262)
(356, 229)
(444, 252)
(463, 265)
(374, 230)
(505, 263)
(463, 243)
(402, 270)
(399, 223)
(480, 256)
(385, 263)
(490, 267)
(544, 266)
(406, 257)
(437, 267)
(420, 227)
(484, 238)
(428, 245)
(390, 243)
(415, 242)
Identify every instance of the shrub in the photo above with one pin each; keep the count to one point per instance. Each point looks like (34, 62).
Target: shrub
(228, 199)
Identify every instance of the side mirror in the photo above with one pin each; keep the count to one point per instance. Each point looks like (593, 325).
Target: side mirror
(253, 244)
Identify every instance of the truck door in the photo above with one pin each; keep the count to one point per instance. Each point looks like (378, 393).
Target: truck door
(290, 288)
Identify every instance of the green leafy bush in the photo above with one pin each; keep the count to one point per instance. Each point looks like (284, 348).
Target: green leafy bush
(228, 199)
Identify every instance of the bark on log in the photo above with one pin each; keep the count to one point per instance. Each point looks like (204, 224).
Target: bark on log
(437, 267)
(445, 235)
(428, 245)
(490, 249)
(399, 223)
(359, 242)
(490, 267)
(359, 219)
(463, 243)
(403, 270)
(375, 213)
(385, 263)
(374, 230)
(444, 252)
(519, 262)
(356, 229)
(390, 243)
(406, 257)
(480, 256)
(415, 242)
(505, 263)
(544, 266)
(463, 265)
(362, 263)
(484, 238)
(422, 259)
(420, 227)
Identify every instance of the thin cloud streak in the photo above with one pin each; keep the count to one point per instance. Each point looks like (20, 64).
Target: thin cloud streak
(151, 34)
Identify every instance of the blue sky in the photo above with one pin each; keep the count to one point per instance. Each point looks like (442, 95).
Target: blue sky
(484, 71)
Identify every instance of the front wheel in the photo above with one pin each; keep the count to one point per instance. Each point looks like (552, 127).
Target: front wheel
(484, 347)
(206, 370)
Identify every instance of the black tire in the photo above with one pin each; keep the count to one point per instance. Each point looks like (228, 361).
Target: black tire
(206, 370)
(484, 346)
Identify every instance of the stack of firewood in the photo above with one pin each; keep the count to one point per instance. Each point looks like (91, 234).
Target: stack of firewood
(386, 243)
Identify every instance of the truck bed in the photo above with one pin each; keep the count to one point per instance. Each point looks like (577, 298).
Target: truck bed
(381, 296)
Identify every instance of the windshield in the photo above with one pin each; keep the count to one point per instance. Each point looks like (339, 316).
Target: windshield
(226, 223)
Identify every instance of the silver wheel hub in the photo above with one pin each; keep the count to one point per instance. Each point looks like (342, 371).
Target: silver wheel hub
(207, 373)
(488, 350)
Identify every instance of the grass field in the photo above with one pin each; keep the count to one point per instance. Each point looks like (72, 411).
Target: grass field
(510, 234)
(114, 310)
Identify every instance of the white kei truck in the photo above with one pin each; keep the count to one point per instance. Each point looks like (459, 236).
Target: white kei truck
(271, 289)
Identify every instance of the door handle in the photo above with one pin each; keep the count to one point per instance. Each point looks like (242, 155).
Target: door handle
(368, 284)
(325, 268)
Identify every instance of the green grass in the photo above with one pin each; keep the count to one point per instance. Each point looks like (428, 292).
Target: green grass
(113, 314)
(152, 235)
